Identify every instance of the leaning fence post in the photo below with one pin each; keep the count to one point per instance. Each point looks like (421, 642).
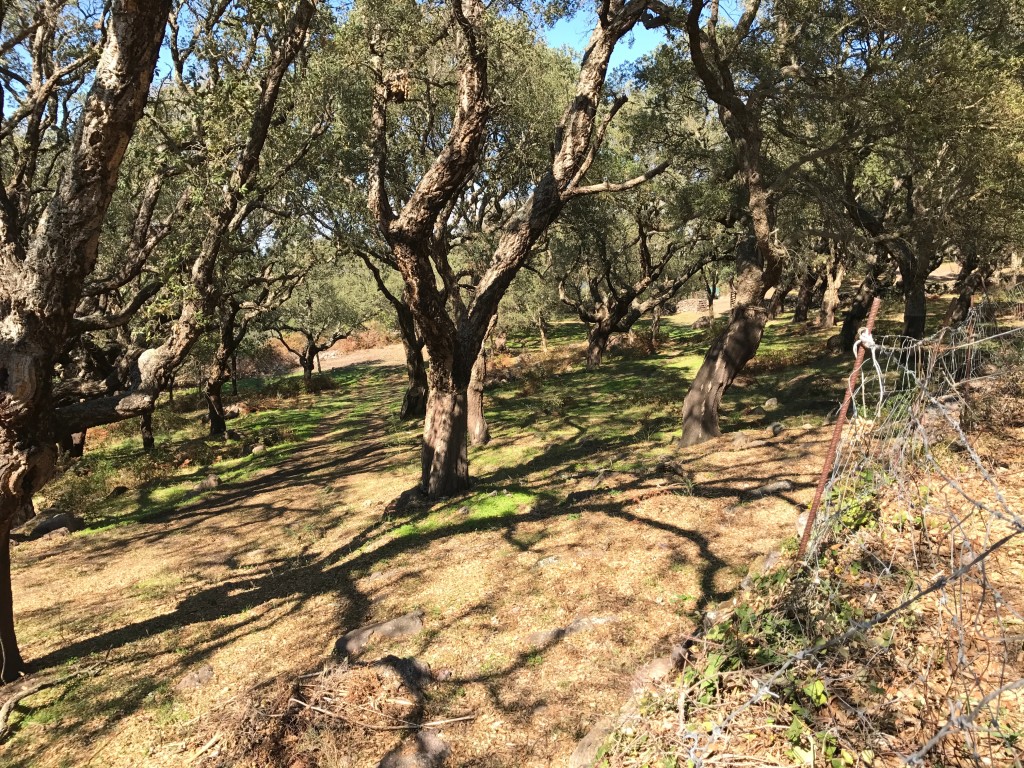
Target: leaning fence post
(837, 433)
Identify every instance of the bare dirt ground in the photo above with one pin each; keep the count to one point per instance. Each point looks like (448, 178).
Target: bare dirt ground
(195, 626)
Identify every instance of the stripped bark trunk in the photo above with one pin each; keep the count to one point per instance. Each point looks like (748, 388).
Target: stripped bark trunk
(479, 431)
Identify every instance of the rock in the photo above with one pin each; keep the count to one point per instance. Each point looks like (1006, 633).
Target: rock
(801, 523)
(52, 521)
(776, 429)
(414, 674)
(259, 449)
(772, 561)
(771, 403)
(588, 622)
(701, 322)
(236, 410)
(424, 750)
(207, 484)
(546, 561)
(354, 641)
(586, 751)
(834, 344)
(232, 435)
(542, 638)
(196, 678)
(655, 670)
(769, 489)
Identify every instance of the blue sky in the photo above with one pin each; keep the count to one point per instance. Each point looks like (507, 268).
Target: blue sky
(573, 33)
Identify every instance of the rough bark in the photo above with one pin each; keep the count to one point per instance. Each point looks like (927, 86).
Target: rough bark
(215, 406)
(445, 460)
(452, 331)
(778, 301)
(42, 273)
(804, 297)
(542, 328)
(597, 344)
(146, 429)
(915, 303)
(728, 355)
(968, 283)
(656, 327)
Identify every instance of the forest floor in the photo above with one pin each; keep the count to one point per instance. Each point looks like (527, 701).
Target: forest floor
(187, 618)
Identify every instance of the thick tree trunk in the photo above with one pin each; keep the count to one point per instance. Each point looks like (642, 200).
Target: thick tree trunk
(307, 374)
(726, 358)
(11, 664)
(479, 432)
(215, 406)
(802, 305)
(542, 326)
(830, 300)
(597, 345)
(146, 428)
(656, 327)
(445, 459)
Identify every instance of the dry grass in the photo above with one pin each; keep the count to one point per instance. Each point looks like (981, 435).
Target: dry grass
(257, 579)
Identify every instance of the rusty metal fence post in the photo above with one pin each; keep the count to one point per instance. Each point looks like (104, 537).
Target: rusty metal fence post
(837, 433)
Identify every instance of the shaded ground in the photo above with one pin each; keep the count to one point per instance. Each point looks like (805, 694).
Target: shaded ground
(257, 579)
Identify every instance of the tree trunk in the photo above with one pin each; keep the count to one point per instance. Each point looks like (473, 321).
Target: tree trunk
(215, 406)
(414, 404)
(234, 374)
(597, 345)
(802, 305)
(170, 389)
(968, 282)
(146, 428)
(655, 327)
(77, 445)
(830, 300)
(778, 301)
(915, 305)
(11, 664)
(542, 326)
(726, 358)
(307, 374)
(479, 432)
(445, 459)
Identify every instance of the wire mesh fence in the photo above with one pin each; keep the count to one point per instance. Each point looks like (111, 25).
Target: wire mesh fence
(900, 639)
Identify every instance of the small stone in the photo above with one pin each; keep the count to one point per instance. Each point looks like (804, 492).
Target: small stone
(542, 638)
(195, 678)
(769, 489)
(425, 750)
(801, 523)
(771, 403)
(259, 449)
(546, 561)
(351, 643)
(585, 753)
(207, 484)
(655, 670)
(588, 622)
(776, 429)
